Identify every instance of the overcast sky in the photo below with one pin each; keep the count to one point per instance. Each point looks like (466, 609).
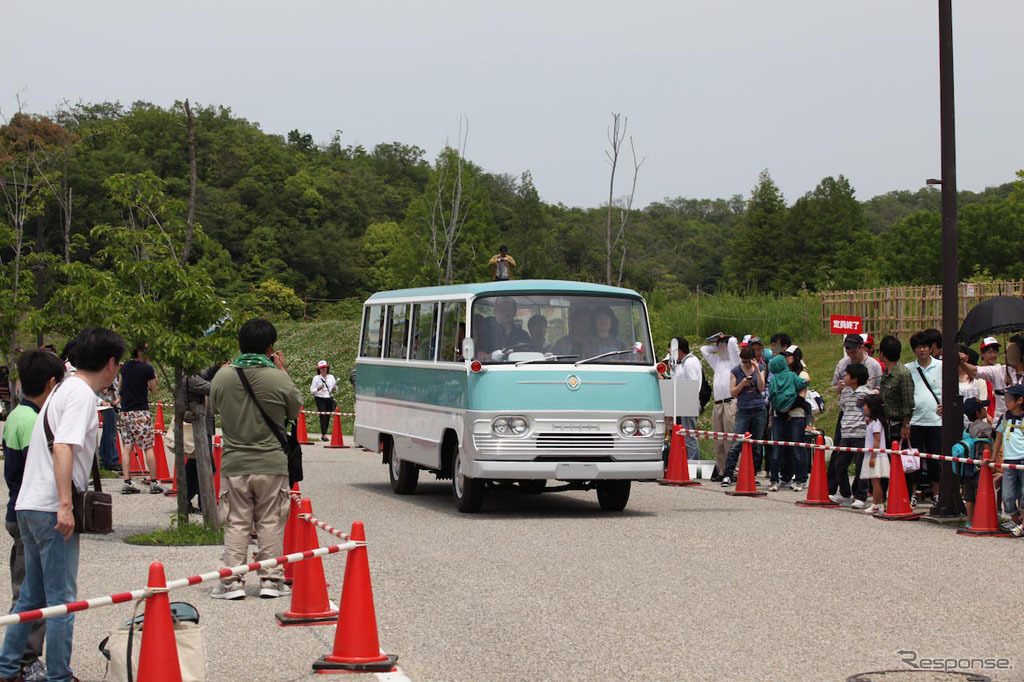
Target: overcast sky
(715, 90)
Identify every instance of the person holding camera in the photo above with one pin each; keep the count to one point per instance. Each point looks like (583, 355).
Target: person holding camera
(502, 264)
(323, 388)
(746, 385)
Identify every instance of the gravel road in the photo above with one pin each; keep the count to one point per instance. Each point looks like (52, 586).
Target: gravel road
(687, 583)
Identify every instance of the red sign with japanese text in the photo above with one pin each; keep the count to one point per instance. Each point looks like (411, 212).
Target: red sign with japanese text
(847, 324)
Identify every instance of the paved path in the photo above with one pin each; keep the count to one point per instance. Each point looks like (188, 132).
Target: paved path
(685, 584)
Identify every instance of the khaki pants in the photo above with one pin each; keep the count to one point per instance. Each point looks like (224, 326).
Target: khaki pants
(255, 502)
(723, 419)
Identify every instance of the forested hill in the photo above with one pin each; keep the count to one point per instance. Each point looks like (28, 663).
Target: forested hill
(332, 221)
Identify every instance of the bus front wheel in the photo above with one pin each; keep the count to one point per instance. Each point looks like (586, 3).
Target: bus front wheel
(468, 492)
(613, 495)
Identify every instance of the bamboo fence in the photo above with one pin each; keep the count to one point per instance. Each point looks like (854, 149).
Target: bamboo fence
(905, 310)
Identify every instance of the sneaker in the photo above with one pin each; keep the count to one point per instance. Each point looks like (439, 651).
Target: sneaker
(726, 481)
(858, 504)
(913, 501)
(324, 438)
(271, 589)
(873, 509)
(774, 487)
(798, 487)
(128, 488)
(1017, 531)
(156, 489)
(35, 672)
(234, 590)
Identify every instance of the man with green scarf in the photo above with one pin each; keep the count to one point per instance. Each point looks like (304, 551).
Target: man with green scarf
(254, 467)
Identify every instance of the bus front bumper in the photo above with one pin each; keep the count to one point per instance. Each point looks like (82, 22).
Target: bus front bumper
(567, 470)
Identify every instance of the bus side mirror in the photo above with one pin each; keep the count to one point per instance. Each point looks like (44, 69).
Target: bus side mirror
(468, 349)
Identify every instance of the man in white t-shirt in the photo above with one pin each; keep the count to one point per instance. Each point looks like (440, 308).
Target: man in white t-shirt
(687, 366)
(722, 355)
(44, 512)
(1001, 376)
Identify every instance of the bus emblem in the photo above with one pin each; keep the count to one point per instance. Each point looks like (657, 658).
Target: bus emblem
(573, 382)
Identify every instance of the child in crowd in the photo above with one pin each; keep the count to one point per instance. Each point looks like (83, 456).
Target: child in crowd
(978, 427)
(876, 466)
(1009, 448)
(853, 429)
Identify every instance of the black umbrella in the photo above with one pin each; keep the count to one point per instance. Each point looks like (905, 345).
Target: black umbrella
(998, 315)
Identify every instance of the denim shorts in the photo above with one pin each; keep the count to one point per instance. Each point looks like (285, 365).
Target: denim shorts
(1013, 488)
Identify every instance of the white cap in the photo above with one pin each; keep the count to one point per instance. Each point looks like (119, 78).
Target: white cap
(865, 337)
(989, 341)
(322, 363)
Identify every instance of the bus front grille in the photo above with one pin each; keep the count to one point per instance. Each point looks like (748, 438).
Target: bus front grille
(575, 441)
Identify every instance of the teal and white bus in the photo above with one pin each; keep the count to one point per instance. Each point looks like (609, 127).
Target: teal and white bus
(511, 384)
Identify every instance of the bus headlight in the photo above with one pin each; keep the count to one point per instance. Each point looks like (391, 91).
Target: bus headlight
(518, 426)
(509, 426)
(628, 427)
(645, 426)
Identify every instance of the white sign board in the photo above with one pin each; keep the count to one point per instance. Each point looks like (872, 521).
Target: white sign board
(680, 397)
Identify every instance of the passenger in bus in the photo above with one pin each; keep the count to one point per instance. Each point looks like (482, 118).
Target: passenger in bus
(505, 333)
(581, 327)
(538, 327)
(606, 333)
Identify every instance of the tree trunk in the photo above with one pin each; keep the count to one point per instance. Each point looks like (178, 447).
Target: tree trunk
(40, 248)
(180, 402)
(204, 466)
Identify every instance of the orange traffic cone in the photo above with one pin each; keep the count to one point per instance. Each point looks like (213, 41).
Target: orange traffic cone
(336, 440)
(745, 484)
(138, 466)
(985, 521)
(158, 655)
(303, 437)
(678, 472)
(897, 507)
(817, 491)
(310, 604)
(291, 531)
(158, 423)
(160, 455)
(356, 645)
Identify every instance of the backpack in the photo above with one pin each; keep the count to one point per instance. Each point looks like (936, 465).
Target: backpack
(973, 448)
(704, 397)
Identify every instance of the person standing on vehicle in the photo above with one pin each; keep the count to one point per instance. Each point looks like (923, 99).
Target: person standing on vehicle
(502, 263)
(722, 354)
(323, 388)
(254, 467)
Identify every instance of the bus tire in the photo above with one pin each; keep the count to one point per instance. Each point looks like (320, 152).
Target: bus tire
(467, 492)
(613, 495)
(404, 475)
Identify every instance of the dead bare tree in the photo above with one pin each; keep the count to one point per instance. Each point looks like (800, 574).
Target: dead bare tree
(449, 211)
(190, 220)
(624, 213)
(616, 134)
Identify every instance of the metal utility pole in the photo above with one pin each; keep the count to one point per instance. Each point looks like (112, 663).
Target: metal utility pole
(950, 504)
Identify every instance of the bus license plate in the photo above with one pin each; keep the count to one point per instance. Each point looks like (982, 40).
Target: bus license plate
(569, 471)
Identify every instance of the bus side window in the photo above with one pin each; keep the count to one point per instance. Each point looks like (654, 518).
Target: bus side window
(399, 331)
(453, 330)
(423, 317)
(373, 325)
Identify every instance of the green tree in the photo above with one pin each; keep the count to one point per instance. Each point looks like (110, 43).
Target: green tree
(758, 244)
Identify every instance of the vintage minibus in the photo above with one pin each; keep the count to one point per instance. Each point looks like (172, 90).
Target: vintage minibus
(516, 383)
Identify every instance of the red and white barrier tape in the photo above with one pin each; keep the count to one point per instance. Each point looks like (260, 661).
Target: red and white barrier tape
(326, 527)
(73, 607)
(737, 437)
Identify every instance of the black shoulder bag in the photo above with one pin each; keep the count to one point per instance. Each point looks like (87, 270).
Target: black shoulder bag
(93, 509)
(289, 443)
(929, 387)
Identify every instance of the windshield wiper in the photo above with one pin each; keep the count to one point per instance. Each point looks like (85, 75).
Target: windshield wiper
(604, 355)
(546, 358)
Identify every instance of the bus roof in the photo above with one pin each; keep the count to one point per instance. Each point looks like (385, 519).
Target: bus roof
(518, 285)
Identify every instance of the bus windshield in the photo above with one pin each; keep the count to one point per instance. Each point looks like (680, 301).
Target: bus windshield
(560, 328)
